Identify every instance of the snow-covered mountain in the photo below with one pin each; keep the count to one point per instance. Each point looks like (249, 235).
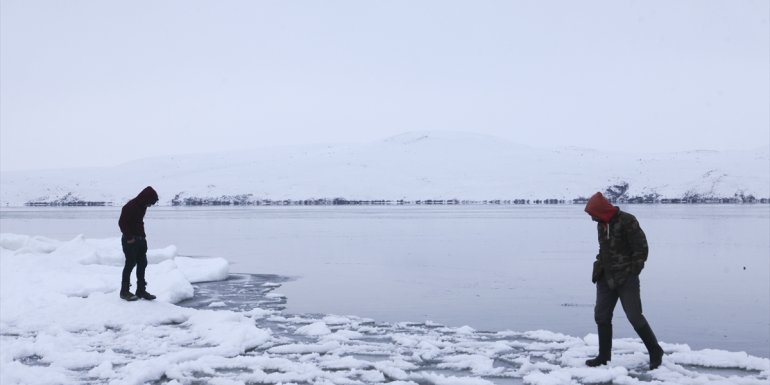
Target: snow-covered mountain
(411, 166)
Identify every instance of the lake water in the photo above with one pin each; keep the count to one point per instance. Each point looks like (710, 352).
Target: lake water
(706, 284)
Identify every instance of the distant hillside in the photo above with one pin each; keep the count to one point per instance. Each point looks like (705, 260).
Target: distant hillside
(409, 167)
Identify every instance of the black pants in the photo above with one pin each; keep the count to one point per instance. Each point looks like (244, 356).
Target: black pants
(629, 296)
(136, 255)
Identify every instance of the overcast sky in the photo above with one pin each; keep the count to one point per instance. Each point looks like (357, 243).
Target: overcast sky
(98, 83)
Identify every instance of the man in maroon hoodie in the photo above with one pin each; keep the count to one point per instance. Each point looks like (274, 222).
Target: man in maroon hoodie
(134, 243)
(622, 253)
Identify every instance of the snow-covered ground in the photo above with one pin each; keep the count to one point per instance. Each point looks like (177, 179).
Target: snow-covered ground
(61, 322)
(412, 166)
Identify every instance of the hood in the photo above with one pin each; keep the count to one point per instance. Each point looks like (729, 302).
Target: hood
(148, 196)
(600, 208)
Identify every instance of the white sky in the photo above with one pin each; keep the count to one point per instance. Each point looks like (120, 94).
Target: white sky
(98, 83)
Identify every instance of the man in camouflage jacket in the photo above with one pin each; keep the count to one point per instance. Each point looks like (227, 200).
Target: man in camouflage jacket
(622, 254)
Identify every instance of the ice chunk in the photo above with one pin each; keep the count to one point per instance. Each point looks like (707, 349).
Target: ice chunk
(314, 329)
(203, 269)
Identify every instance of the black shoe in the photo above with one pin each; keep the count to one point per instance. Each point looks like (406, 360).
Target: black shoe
(141, 291)
(598, 361)
(143, 294)
(651, 343)
(656, 358)
(605, 346)
(125, 293)
(128, 296)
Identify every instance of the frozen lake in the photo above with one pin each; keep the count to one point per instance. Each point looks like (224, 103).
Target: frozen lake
(706, 284)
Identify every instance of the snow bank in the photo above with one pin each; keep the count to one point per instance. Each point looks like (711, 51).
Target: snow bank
(60, 314)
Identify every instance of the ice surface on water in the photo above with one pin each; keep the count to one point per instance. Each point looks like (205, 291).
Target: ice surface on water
(429, 353)
(62, 322)
(707, 281)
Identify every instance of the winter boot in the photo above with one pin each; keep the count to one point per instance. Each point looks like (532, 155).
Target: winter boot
(125, 294)
(141, 291)
(605, 346)
(653, 348)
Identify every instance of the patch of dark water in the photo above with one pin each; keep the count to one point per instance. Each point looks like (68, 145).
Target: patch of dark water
(239, 292)
(33, 360)
(724, 372)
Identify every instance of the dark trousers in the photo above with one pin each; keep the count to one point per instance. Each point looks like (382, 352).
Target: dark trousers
(629, 296)
(136, 255)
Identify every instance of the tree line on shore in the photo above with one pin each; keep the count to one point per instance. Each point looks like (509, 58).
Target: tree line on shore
(616, 193)
(225, 201)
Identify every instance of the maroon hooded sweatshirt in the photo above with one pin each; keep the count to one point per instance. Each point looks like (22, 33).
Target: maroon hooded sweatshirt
(131, 220)
(600, 208)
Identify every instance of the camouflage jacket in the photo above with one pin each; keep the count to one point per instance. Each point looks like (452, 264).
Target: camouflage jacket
(622, 250)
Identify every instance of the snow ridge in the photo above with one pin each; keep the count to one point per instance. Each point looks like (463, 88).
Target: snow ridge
(410, 166)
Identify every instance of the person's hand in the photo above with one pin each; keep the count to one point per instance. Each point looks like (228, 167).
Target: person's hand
(597, 272)
(132, 240)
